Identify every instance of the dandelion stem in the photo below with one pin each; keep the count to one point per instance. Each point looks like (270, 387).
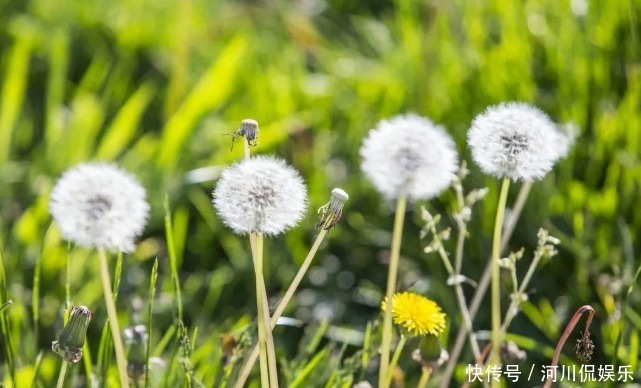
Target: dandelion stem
(425, 377)
(247, 366)
(484, 283)
(496, 272)
(395, 357)
(566, 334)
(269, 339)
(61, 375)
(397, 235)
(262, 343)
(113, 318)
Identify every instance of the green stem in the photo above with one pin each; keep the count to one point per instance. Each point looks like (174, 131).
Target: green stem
(425, 377)
(247, 366)
(395, 357)
(397, 235)
(262, 343)
(484, 283)
(269, 339)
(496, 272)
(113, 319)
(61, 376)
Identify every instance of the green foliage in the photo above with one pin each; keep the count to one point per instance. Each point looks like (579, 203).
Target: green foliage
(158, 86)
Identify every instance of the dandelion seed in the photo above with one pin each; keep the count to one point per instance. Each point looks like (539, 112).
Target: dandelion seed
(72, 338)
(99, 205)
(409, 155)
(517, 141)
(416, 314)
(261, 194)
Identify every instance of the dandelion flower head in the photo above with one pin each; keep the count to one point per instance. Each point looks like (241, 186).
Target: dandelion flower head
(409, 155)
(416, 314)
(99, 205)
(262, 194)
(517, 141)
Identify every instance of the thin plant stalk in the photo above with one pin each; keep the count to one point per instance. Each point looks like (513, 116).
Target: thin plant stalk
(460, 298)
(395, 357)
(514, 304)
(249, 363)
(152, 296)
(484, 283)
(425, 377)
(61, 375)
(566, 334)
(496, 272)
(271, 352)
(397, 235)
(113, 318)
(262, 341)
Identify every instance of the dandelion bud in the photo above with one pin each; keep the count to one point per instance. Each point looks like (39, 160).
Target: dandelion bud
(409, 155)
(99, 205)
(249, 130)
(517, 141)
(262, 194)
(136, 339)
(72, 338)
(331, 212)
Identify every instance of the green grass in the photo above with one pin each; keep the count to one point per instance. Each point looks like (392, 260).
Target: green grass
(158, 86)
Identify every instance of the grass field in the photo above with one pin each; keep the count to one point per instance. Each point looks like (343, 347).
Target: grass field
(159, 87)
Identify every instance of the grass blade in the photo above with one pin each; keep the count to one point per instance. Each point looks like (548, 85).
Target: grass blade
(152, 295)
(169, 233)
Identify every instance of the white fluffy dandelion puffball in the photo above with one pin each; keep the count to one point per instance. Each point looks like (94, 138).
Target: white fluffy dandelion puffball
(409, 155)
(517, 141)
(99, 205)
(262, 194)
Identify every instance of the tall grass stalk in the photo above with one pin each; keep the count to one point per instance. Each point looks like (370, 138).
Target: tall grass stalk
(249, 363)
(496, 273)
(397, 235)
(113, 319)
(4, 321)
(152, 296)
(169, 234)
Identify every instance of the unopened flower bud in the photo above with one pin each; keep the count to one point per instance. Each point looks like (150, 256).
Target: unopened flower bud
(72, 338)
(136, 338)
(330, 213)
(249, 130)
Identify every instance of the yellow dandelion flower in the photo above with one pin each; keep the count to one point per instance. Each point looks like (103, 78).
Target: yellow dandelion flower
(416, 314)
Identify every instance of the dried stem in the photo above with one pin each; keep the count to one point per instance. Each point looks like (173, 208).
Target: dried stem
(568, 330)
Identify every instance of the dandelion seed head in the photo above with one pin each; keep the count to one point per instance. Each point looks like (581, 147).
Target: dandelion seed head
(409, 154)
(416, 314)
(517, 141)
(262, 194)
(99, 205)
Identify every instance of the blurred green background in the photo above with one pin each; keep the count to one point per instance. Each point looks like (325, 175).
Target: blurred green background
(158, 86)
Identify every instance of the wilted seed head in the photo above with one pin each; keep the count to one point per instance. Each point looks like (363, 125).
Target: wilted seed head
(409, 155)
(584, 347)
(249, 130)
(330, 213)
(262, 194)
(517, 141)
(99, 205)
(72, 338)
(136, 339)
